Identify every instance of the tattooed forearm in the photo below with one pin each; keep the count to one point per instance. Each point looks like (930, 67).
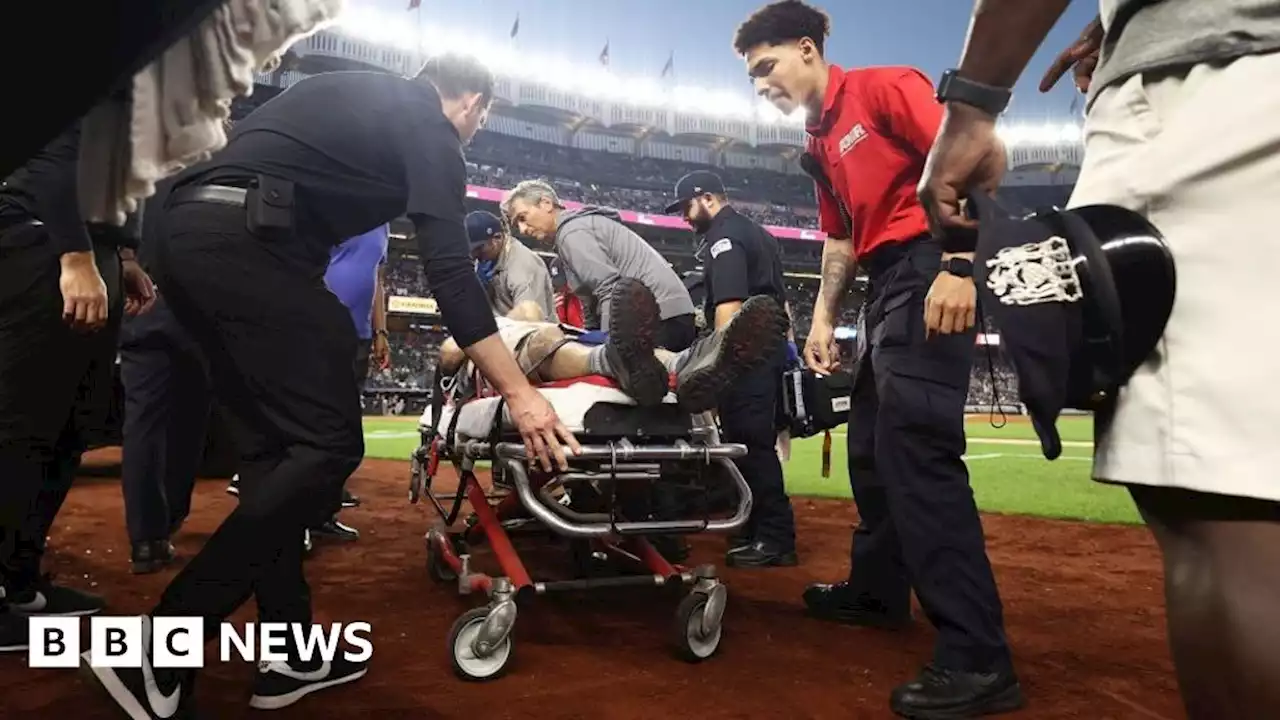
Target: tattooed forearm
(837, 260)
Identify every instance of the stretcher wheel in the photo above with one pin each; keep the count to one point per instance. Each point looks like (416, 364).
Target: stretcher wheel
(467, 663)
(697, 633)
(437, 568)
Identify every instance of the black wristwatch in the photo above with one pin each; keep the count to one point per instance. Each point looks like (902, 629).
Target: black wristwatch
(987, 98)
(959, 267)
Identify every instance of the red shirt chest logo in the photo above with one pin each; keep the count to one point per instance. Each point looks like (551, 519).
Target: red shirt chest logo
(855, 135)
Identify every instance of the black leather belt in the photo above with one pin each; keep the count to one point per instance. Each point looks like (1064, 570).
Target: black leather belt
(216, 194)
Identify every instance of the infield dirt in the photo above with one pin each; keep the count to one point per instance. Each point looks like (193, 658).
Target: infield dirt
(1082, 604)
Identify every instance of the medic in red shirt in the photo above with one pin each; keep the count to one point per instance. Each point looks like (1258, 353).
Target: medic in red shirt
(870, 131)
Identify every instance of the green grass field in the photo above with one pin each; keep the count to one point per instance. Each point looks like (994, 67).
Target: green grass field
(1009, 473)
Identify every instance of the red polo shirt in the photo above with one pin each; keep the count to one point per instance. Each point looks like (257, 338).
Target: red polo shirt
(876, 128)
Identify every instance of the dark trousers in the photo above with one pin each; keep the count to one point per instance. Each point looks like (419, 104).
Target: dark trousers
(919, 525)
(166, 414)
(279, 347)
(748, 413)
(364, 347)
(677, 333)
(56, 386)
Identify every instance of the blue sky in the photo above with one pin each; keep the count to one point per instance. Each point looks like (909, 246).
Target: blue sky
(641, 34)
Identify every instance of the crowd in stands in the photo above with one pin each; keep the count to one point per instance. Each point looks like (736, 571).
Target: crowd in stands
(413, 355)
(634, 183)
(644, 185)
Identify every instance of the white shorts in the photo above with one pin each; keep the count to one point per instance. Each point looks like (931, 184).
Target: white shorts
(1198, 154)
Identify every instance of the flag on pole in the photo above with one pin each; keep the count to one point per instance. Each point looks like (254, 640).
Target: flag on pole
(604, 54)
(515, 27)
(670, 67)
(414, 4)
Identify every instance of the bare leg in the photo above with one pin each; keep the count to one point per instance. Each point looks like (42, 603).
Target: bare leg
(1222, 591)
(570, 361)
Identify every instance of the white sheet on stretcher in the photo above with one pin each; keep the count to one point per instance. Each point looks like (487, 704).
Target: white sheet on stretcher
(571, 403)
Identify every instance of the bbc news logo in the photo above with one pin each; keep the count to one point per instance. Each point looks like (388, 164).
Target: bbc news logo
(179, 642)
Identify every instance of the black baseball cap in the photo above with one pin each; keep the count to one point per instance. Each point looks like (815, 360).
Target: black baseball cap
(694, 184)
(482, 226)
(1080, 299)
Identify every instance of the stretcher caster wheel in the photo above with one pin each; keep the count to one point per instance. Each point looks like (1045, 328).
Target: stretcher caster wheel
(699, 624)
(479, 644)
(437, 568)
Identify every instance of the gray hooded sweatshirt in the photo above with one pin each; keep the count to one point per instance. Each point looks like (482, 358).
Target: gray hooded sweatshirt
(597, 250)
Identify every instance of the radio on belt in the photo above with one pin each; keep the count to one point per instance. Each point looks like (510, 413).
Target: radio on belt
(813, 403)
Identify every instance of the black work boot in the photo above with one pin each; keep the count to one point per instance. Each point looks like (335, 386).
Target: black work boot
(717, 360)
(939, 693)
(634, 319)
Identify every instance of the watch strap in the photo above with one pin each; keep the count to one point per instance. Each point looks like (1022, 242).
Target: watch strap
(960, 267)
(988, 98)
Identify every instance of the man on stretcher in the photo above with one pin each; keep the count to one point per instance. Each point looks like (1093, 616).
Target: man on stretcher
(630, 355)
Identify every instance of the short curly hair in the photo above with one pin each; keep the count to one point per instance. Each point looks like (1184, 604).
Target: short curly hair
(780, 22)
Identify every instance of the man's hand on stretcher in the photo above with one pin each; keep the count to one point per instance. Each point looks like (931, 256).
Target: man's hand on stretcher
(533, 415)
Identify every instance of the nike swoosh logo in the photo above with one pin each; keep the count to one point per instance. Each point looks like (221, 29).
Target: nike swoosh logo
(316, 675)
(164, 706)
(38, 603)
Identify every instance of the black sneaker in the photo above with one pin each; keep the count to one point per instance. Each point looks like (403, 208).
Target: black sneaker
(717, 360)
(151, 556)
(47, 598)
(144, 693)
(940, 693)
(349, 500)
(634, 318)
(13, 631)
(740, 541)
(336, 530)
(839, 603)
(761, 554)
(280, 685)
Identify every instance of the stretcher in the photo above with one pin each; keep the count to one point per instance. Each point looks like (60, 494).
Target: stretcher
(626, 451)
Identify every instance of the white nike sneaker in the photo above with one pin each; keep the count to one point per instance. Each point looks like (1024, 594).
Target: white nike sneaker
(280, 685)
(142, 693)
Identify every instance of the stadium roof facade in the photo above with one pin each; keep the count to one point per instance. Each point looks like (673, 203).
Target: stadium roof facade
(591, 109)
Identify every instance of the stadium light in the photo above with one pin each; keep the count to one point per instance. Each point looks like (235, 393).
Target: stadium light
(1014, 134)
(591, 80)
(377, 27)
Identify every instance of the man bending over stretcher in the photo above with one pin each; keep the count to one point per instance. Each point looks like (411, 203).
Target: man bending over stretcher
(631, 357)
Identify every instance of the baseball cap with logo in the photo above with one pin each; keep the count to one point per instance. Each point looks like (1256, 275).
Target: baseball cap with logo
(694, 184)
(1080, 299)
(559, 281)
(482, 227)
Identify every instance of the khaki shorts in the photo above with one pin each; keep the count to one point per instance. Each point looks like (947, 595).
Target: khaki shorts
(1198, 153)
(515, 334)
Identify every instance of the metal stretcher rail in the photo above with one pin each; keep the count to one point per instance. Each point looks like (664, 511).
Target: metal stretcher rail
(624, 451)
(512, 457)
